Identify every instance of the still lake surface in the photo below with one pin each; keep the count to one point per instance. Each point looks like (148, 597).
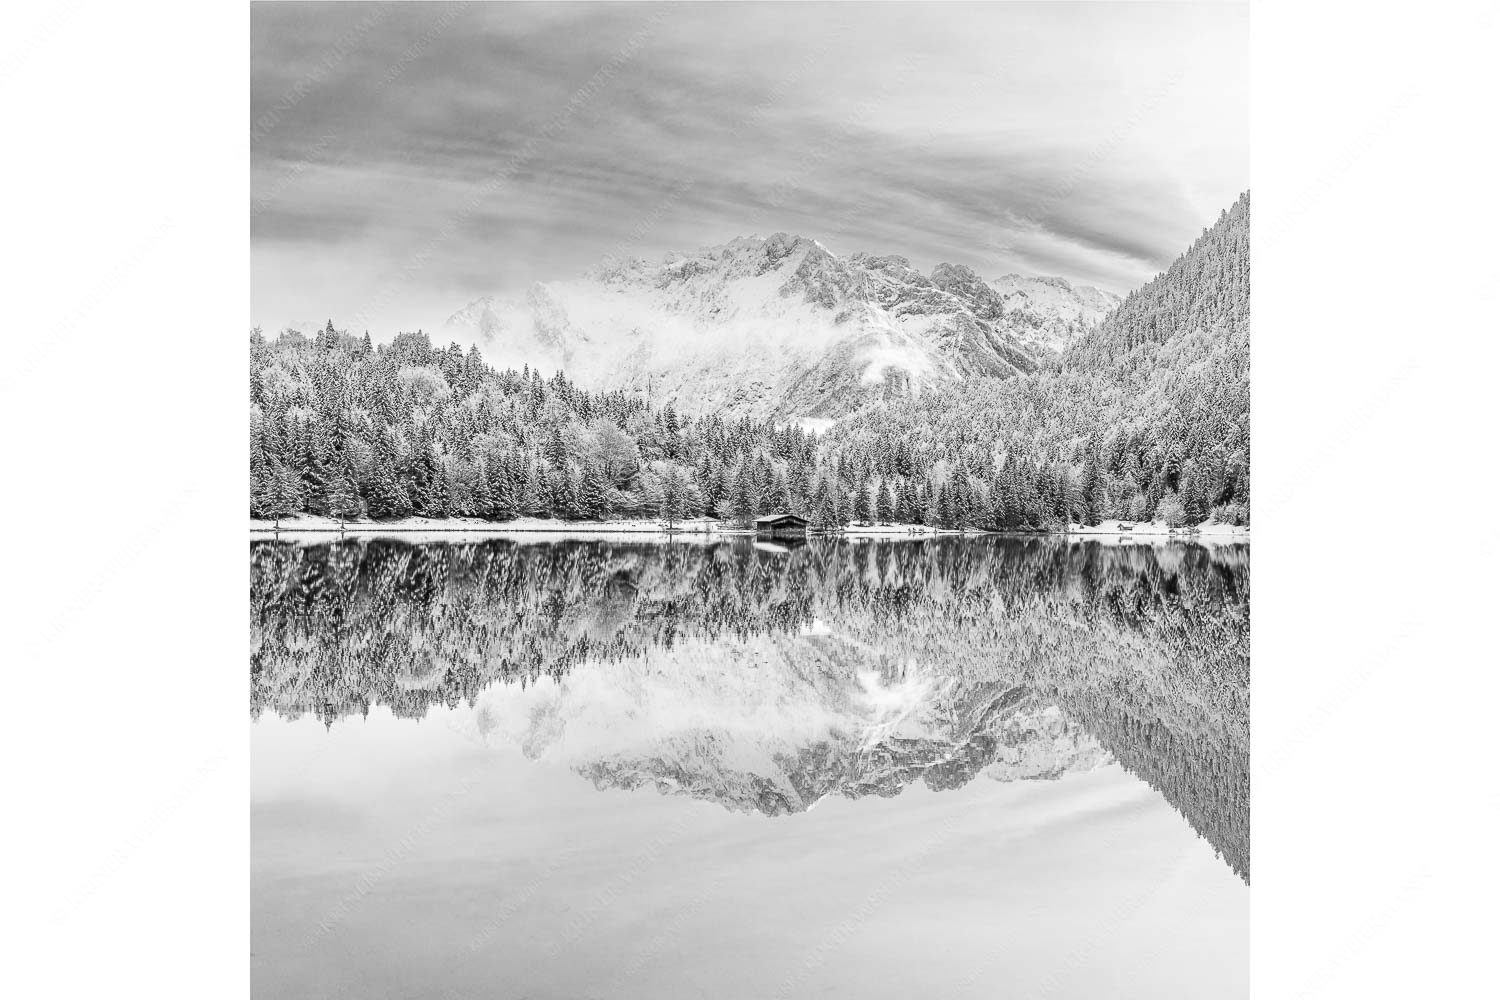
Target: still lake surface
(956, 767)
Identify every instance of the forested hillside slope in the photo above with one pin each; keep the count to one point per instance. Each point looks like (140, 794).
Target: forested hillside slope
(1150, 412)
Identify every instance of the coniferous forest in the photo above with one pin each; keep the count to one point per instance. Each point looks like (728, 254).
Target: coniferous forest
(1146, 418)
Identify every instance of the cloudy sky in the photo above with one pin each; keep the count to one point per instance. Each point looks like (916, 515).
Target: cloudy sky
(408, 158)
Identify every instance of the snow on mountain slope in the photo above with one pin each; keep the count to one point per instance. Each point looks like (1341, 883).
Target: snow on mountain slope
(1054, 312)
(774, 326)
(776, 723)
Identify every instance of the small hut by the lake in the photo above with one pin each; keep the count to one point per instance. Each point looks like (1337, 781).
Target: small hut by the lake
(781, 526)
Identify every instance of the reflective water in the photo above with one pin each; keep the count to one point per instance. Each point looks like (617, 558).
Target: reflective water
(957, 767)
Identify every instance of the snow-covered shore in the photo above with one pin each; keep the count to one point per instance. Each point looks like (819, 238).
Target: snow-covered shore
(1152, 529)
(418, 529)
(688, 531)
(314, 522)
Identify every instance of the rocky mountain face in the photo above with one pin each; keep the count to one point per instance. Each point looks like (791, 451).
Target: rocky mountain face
(1055, 313)
(780, 327)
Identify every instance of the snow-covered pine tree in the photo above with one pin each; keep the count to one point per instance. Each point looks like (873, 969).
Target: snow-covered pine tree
(593, 494)
(742, 507)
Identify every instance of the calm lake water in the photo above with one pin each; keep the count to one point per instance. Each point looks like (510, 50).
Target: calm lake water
(950, 768)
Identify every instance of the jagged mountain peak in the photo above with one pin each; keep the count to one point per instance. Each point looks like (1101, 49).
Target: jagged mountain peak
(1058, 312)
(774, 325)
(472, 312)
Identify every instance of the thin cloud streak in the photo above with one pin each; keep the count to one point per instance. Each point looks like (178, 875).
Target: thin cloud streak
(1081, 140)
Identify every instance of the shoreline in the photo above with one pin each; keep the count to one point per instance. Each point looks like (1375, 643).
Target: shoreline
(1111, 531)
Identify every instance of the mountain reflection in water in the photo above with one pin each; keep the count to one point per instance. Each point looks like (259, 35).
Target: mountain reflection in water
(767, 681)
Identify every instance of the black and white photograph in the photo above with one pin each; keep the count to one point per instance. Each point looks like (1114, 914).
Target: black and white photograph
(753, 487)
(750, 499)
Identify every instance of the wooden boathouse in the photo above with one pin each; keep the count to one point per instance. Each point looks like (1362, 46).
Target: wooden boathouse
(781, 526)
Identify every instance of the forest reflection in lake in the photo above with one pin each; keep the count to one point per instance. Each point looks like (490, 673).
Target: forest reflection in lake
(766, 682)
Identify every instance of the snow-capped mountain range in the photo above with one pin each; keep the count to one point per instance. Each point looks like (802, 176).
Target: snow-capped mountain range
(780, 326)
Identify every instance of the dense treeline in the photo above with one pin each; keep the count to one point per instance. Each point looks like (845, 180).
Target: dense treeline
(341, 428)
(1147, 418)
(1145, 648)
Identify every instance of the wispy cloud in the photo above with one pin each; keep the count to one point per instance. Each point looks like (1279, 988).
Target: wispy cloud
(1093, 141)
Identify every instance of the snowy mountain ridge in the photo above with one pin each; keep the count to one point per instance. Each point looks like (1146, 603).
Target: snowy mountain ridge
(1057, 310)
(780, 326)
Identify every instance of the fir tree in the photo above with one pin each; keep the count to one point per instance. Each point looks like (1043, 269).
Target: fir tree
(593, 495)
(884, 506)
(743, 508)
(824, 514)
(673, 497)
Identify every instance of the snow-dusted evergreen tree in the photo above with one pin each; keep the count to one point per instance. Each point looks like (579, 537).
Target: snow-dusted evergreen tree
(884, 505)
(594, 494)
